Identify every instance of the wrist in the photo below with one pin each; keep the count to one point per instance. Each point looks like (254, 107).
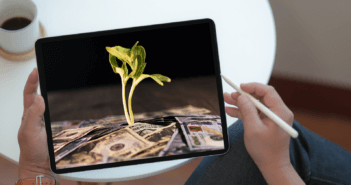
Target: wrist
(281, 174)
(274, 166)
(39, 179)
(32, 172)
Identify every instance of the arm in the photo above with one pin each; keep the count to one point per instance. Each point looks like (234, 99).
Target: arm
(281, 175)
(266, 142)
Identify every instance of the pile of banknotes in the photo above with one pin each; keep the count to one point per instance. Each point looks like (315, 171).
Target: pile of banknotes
(171, 132)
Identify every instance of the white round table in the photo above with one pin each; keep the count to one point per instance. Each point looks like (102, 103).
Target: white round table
(246, 42)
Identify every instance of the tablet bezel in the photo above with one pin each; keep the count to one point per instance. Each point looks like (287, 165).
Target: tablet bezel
(40, 64)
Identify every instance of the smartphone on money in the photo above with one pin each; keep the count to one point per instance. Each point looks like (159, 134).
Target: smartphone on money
(131, 96)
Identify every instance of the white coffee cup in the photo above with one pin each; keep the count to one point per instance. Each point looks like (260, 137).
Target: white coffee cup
(21, 40)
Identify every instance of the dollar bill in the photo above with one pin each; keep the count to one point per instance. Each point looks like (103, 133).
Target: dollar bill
(158, 135)
(109, 159)
(151, 151)
(70, 147)
(175, 146)
(203, 133)
(121, 143)
(144, 128)
(140, 128)
(67, 136)
(159, 139)
(187, 110)
(148, 126)
(106, 129)
(81, 158)
(95, 134)
(161, 134)
(63, 166)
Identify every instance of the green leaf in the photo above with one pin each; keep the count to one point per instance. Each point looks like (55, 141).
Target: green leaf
(113, 63)
(125, 71)
(140, 67)
(140, 50)
(134, 45)
(134, 52)
(131, 75)
(120, 53)
(162, 78)
(122, 49)
(157, 77)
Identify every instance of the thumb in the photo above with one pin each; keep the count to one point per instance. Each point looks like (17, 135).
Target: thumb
(35, 113)
(249, 113)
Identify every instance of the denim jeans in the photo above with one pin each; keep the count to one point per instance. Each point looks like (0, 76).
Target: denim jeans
(316, 160)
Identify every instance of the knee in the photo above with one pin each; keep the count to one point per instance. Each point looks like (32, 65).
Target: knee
(235, 132)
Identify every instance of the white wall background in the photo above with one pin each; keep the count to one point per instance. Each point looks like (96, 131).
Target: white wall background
(313, 41)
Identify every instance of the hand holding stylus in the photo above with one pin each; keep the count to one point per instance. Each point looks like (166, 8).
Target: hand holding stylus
(265, 141)
(287, 128)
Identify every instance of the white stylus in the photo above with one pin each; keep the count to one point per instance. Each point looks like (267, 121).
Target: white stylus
(265, 110)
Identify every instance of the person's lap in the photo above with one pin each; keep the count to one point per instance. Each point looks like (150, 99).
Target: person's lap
(316, 160)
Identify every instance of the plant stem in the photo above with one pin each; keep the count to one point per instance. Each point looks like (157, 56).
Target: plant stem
(130, 101)
(124, 101)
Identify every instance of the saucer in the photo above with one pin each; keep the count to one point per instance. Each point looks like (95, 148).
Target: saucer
(22, 56)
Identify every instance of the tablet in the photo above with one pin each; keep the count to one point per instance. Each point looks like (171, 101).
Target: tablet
(130, 96)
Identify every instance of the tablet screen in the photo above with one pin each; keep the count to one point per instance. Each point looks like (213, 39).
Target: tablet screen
(130, 96)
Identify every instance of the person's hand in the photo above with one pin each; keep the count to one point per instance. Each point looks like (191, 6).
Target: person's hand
(34, 157)
(265, 141)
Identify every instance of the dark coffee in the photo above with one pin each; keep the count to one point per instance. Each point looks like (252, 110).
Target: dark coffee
(15, 23)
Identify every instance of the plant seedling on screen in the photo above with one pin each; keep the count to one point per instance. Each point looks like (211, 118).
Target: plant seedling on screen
(135, 58)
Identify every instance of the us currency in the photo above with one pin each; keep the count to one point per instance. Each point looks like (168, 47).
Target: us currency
(107, 129)
(188, 110)
(67, 136)
(63, 166)
(144, 128)
(81, 158)
(141, 129)
(157, 135)
(98, 132)
(114, 123)
(150, 125)
(203, 133)
(70, 147)
(151, 151)
(175, 146)
(159, 139)
(121, 143)
(163, 133)
(109, 159)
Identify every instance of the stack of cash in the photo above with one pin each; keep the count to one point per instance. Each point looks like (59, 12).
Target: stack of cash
(202, 132)
(110, 139)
